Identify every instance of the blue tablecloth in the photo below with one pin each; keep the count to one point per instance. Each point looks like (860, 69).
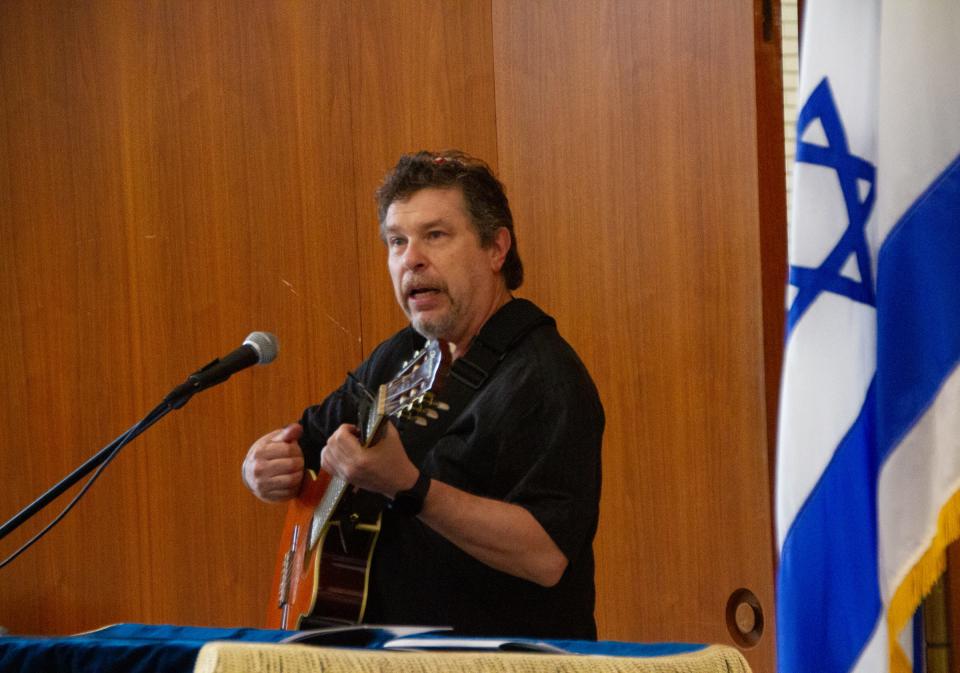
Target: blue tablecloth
(142, 648)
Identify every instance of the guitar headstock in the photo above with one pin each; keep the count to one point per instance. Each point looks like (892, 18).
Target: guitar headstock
(412, 393)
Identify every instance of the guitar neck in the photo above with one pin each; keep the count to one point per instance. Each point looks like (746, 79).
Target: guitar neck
(405, 392)
(324, 511)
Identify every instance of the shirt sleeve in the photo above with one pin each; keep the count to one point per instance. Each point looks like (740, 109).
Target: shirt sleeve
(532, 437)
(561, 438)
(320, 421)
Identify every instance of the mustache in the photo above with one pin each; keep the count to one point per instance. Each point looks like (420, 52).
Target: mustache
(412, 283)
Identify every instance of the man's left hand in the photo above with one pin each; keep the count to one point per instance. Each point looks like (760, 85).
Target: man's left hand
(382, 468)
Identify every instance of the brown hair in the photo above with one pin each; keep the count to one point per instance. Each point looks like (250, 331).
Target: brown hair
(483, 194)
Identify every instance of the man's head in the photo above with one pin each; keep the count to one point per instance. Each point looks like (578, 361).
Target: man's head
(483, 195)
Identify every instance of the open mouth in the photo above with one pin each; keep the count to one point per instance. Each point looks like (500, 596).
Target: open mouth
(423, 297)
(421, 291)
(421, 287)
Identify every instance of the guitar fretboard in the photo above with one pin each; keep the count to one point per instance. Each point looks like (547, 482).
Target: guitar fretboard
(324, 511)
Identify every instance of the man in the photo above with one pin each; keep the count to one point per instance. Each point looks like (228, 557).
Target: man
(498, 540)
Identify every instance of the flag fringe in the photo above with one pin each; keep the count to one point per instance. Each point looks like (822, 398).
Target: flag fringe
(920, 580)
(898, 660)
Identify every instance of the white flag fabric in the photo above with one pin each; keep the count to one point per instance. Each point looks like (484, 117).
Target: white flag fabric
(868, 465)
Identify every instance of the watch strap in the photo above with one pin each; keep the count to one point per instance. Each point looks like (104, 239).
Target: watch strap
(409, 502)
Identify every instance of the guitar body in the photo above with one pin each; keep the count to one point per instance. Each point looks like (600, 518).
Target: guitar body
(327, 580)
(323, 569)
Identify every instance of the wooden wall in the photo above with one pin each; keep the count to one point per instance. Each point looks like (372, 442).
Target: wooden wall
(174, 175)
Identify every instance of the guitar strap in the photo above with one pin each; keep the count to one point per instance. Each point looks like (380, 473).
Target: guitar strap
(505, 329)
(470, 372)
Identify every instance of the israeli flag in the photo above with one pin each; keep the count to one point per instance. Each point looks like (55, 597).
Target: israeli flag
(868, 466)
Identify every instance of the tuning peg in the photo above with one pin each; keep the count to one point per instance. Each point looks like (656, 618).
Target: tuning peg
(432, 400)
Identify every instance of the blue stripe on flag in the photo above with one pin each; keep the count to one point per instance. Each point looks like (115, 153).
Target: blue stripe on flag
(918, 308)
(828, 596)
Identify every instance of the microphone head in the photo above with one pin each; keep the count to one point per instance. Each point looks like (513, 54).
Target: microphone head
(265, 344)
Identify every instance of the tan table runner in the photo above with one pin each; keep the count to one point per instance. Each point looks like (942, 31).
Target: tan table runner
(234, 657)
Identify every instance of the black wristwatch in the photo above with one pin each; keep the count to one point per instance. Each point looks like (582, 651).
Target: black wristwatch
(410, 501)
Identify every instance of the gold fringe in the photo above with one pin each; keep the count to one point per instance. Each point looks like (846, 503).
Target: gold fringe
(920, 580)
(898, 660)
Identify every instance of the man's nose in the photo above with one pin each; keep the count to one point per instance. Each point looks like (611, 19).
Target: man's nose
(414, 257)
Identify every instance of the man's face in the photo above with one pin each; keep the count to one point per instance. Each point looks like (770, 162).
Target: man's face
(444, 280)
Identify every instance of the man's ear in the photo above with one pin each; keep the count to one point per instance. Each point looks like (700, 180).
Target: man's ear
(499, 247)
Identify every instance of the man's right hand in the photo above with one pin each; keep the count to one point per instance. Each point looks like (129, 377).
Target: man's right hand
(273, 468)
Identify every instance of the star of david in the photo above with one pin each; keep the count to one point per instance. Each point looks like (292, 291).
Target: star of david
(812, 281)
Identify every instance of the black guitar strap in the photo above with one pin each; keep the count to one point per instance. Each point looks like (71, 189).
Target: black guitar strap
(502, 332)
(470, 372)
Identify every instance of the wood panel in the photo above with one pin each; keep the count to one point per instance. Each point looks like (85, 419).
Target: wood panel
(174, 175)
(772, 199)
(421, 78)
(172, 180)
(628, 131)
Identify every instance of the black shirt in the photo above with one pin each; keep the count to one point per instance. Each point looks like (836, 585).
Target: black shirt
(530, 436)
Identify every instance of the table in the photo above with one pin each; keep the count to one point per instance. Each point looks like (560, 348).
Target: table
(142, 648)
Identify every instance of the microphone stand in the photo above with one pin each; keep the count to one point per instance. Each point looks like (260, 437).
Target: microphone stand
(174, 400)
(251, 352)
(97, 459)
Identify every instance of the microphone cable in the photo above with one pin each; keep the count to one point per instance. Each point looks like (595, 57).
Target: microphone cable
(257, 348)
(159, 412)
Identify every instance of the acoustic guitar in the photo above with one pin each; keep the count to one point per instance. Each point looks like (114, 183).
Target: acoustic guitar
(331, 528)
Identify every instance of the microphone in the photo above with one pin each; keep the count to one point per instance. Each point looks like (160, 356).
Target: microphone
(259, 348)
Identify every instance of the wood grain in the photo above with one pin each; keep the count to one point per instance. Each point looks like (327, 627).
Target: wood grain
(630, 130)
(171, 184)
(421, 78)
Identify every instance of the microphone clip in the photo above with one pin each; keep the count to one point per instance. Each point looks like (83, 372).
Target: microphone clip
(180, 395)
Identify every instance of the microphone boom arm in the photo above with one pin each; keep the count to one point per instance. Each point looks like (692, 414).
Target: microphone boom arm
(94, 461)
(258, 348)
